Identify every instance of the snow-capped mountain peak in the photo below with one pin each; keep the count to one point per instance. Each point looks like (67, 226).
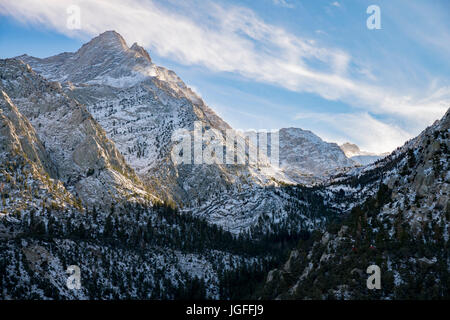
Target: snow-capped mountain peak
(304, 154)
(351, 149)
(106, 59)
(141, 51)
(361, 157)
(107, 40)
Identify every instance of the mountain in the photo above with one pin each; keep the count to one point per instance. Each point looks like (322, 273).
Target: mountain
(351, 149)
(303, 154)
(56, 212)
(399, 220)
(81, 156)
(142, 106)
(90, 176)
(83, 205)
(25, 166)
(353, 152)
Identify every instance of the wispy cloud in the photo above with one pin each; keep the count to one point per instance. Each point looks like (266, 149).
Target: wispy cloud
(283, 3)
(367, 132)
(225, 38)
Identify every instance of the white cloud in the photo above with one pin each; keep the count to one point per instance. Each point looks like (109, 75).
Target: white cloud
(336, 4)
(367, 132)
(283, 3)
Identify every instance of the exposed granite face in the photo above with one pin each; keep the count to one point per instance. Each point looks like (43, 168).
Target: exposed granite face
(26, 170)
(17, 133)
(81, 156)
(304, 153)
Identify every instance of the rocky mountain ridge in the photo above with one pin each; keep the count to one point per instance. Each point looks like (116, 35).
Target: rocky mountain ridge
(81, 155)
(87, 140)
(401, 223)
(302, 153)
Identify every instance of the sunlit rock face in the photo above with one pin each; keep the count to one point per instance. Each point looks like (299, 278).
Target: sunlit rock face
(81, 155)
(304, 155)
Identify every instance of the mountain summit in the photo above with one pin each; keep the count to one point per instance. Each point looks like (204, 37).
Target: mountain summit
(302, 154)
(141, 106)
(106, 59)
(353, 152)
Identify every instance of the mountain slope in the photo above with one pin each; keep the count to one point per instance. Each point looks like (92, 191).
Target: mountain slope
(24, 165)
(131, 251)
(142, 106)
(305, 154)
(400, 223)
(139, 115)
(83, 158)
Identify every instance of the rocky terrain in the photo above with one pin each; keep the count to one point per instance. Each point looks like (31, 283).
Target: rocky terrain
(303, 155)
(399, 220)
(81, 156)
(25, 168)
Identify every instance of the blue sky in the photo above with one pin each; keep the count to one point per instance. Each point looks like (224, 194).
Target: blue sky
(270, 64)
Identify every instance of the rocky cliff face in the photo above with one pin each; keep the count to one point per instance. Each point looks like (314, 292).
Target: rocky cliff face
(20, 137)
(304, 155)
(82, 157)
(25, 167)
(141, 106)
